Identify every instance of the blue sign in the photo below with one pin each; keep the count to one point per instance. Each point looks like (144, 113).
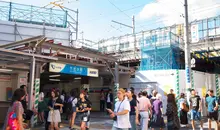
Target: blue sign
(187, 75)
(76, 70)
(72, 69)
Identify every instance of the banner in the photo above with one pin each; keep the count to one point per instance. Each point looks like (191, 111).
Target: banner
(195, 33)
(72, 69)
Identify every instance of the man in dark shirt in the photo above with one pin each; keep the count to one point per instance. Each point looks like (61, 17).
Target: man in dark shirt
(109, 100)
(24, 102)
(134, 111)
(27, 113)
(196, 107)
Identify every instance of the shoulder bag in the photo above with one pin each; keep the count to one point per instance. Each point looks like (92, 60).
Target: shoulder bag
(115, 117)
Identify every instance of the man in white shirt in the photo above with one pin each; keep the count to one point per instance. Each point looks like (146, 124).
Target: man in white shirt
(121, 112)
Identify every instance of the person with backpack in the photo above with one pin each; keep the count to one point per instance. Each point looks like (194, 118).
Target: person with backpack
(71, 108)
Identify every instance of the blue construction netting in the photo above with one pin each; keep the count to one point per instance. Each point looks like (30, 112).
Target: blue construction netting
(160, 52)
(32, 14)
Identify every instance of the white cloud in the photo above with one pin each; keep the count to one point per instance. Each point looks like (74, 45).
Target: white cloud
(170, 11)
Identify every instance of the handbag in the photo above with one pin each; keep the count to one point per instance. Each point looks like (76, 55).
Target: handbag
(13, 123)
(115, 117)
(185, 108)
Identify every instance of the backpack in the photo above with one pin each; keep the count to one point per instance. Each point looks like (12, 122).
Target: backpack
(69, 106)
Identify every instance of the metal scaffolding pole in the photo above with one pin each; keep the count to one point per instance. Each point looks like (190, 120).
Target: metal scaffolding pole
(116, 86)
(187, 49)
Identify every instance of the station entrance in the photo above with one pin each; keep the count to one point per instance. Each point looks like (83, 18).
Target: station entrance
(67, 77)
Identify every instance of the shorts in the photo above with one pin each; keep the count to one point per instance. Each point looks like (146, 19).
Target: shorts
(74, 109)
(84, 117)
(213, 115)
(195, 115)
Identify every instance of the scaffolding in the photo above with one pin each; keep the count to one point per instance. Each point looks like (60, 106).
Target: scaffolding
(206, 31)
(51, 19)
(160, 52)
(31, 14)
(123, 46)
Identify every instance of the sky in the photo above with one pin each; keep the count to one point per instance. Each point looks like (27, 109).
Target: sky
(95, 16)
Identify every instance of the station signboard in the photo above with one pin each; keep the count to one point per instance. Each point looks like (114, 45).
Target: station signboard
(72, 69)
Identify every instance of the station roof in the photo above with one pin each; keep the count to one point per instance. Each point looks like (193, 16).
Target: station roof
(17, 60)
(19, 52)
(42, 42)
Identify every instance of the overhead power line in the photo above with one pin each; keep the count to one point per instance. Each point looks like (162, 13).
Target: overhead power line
(193, 12)
(113, 14)
(118, 9)
(129, 9)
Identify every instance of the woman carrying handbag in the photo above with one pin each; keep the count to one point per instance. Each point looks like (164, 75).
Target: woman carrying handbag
(183, 110)
(55, 105)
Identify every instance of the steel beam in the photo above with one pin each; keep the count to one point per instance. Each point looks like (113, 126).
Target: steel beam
(21, 42)
(40, 42)
(110, 70)
(12, 55)
(7, 59)
(27, 54)
(123, 67)
(75, 51)
(18, 62)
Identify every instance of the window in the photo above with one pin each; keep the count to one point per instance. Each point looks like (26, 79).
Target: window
(121, 46)
(114, 47)
(127, 44)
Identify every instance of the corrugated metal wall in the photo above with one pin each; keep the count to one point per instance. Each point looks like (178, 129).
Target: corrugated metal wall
(11, 31)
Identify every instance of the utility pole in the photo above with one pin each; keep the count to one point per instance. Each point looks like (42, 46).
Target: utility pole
(133, 30)
(116, 86)
(187, 49)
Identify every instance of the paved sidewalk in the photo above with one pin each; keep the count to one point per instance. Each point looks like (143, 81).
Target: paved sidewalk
(101, 121)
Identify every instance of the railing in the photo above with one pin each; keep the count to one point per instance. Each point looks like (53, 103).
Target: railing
(31, 14)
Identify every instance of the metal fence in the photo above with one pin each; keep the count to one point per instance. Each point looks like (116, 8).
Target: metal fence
(32, 14)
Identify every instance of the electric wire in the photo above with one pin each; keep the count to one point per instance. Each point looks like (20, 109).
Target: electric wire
(118, 9)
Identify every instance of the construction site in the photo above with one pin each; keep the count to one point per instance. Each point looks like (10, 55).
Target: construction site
(40, 47)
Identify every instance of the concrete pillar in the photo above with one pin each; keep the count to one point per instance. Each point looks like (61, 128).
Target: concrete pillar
(31, 87)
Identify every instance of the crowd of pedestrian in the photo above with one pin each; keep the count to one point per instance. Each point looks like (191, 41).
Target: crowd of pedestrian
(50, 109)
(132, 112)
(146, 111)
